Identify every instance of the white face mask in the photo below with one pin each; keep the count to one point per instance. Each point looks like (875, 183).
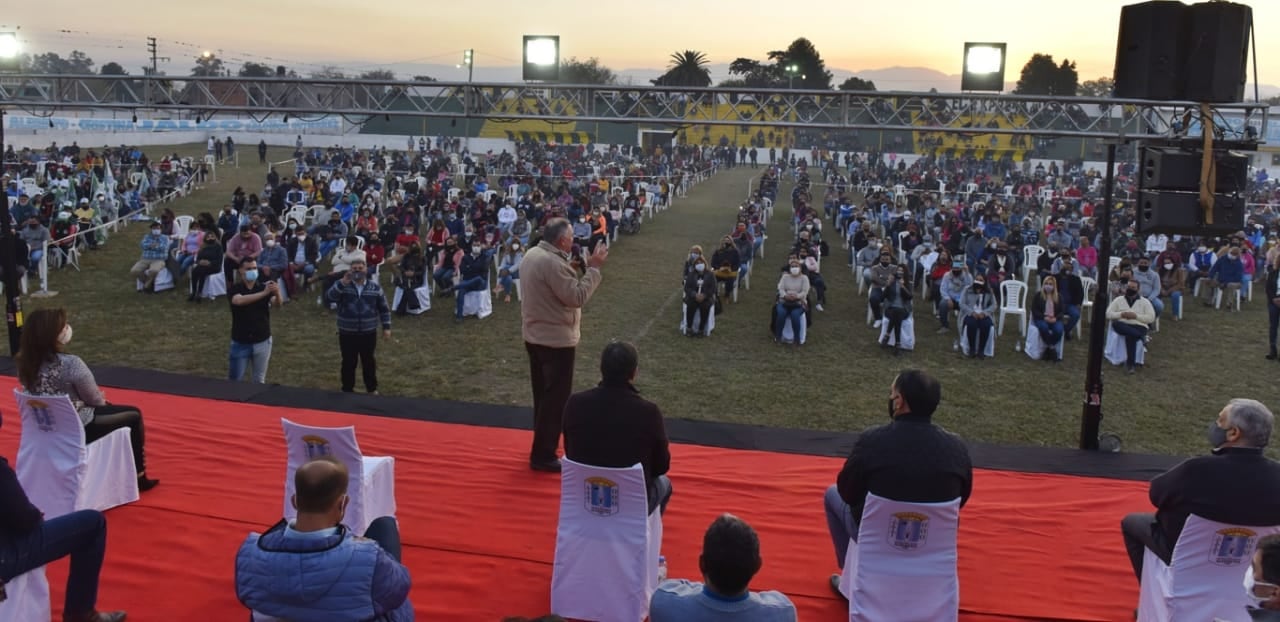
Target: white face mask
(795, 270)
(1250, 583)
(65, 336)
(1168, 266)
(700, 267)
(270, 243)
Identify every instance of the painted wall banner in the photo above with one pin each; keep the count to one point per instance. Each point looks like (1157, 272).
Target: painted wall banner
(23, 122)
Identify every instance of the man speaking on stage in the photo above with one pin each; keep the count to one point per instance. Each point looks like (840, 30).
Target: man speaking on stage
(552, 297)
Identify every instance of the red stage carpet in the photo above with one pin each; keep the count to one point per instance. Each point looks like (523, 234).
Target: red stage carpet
(479, 527)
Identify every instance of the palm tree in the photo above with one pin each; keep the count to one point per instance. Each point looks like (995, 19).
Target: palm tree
(687, 68)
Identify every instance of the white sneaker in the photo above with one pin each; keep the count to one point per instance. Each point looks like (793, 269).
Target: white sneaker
(877, 324)
(818, 307)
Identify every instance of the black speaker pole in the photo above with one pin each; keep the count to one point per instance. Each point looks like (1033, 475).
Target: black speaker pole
(1091, 417)
(9, 263)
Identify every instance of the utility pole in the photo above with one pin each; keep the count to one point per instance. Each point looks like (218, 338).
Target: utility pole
(468, 59)
(155, 60)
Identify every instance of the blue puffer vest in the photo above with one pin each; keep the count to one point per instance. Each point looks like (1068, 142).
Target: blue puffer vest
(306, 579)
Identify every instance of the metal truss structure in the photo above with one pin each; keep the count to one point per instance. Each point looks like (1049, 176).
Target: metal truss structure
(660, 106)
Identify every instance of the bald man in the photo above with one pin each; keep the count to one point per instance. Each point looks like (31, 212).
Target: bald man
(342, 577)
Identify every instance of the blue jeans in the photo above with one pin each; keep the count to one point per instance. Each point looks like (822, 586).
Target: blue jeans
(508, 281)
(82, 535)
(34, 258)
(945, 305)
(473, 284)
(1175, 297)
(184, 263)
(660, 494)
(443, 277)
(326, 246)
(246, 354)
(1132, 334)
(841, 523)
(784, 314)
(1050, 334)
(1072, 313)
(1156, 304)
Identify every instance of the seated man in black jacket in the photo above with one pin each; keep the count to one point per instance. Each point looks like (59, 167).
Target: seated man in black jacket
(474, 276)
(28, 541)
(910, 460)
(699, 297)
(1236, 485)
(612, 426)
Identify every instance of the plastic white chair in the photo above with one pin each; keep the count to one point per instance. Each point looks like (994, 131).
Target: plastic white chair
(1217, 298)
(1034, 346)
(903, 541)
(1115, 351)
(1013, 301)
(1111, 264)
(1090, 286)
(61, 473)
(697, 320)
(182, 226)
(214, 286)
(424, 299)
(788, 335)
(454, 193)
(320, 214)
(1203, 582)
(607, 545)
(908, 333)
(1030, 256)
(990, 350)
(372, 479)
(298, 214)
(164, 281)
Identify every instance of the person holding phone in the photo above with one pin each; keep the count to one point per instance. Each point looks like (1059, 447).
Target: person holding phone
(361, 307)
(251, 302)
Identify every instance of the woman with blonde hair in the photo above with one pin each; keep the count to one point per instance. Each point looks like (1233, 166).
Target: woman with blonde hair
(44, 369)
(1046, 317)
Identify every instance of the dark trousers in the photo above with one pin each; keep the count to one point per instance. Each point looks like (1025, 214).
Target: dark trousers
(977, 332)
(659, 494)
(1132, 334)
(358, 346)
(896, 316)
(691, 308)
(1142, 532)
(386, 533)
(551, 374)
(199, 275)
(1274, 312)
(82, 535)
(112, 417)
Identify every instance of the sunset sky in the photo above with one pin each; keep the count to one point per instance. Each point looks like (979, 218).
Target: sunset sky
(361, 35)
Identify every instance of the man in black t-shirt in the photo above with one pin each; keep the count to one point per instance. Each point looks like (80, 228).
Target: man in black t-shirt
(251, 303)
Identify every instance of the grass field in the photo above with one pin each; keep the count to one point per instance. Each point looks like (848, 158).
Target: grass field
(838, 381)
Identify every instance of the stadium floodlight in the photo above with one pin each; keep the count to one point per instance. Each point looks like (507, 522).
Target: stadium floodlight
(8, 45)
(541, 57)
(983, 67)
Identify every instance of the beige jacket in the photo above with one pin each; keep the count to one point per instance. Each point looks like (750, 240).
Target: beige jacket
(552, 297)
(1142, 307)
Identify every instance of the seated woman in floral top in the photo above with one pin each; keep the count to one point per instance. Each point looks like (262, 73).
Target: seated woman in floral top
(43, 369)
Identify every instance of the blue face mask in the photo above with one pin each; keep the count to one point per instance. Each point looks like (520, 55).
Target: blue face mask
(250, 275)
(1217, 436)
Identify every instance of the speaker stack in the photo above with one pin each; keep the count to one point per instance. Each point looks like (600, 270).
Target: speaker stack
(1169, 192)
(1170, 51)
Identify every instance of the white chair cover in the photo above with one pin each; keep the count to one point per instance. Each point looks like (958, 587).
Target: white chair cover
(28, 598)
(424, 299)
(607, 545)
(215, 285)
(908, 333)
(1034, 346)
(903, 544)
(1116, 353)
(372, 479)
(164, 281)
(59, 472)
(1204, 581)
(697, 320)
(478, 303)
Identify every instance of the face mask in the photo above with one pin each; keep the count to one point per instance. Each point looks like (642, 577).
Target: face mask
(1217, 436)
(475, 250)
(270, 243)
(808, 227)
(979, 287)
(302, 238)
(1143, 268)
(357, 276)
(251, 275)
(408, 231)
(1048, 289)
(1131, 295)
(33, 226)
(1124, 280)
(693, 256)
(700, 267)
(515, 247)
(795, 270)
(1250, 583)
(1202, 249)
(1168, 266)
(155, 231)
(957, 272)
(884, 262)
(891, 409)
(65, 336)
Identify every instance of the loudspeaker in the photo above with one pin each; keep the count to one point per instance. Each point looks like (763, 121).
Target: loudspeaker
(1217, 52)
(1179, 212)
(1150, 56)
(1166, 168)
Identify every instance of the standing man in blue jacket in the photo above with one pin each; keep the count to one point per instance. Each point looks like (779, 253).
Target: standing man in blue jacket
(362, 307)
(315, 569)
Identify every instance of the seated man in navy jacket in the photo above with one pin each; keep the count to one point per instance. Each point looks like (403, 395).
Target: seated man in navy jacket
(612, 426)
(315, 569)
(1236, 485)
(909, 459)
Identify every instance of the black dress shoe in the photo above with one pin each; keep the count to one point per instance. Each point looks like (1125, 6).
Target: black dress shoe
(145, 484)
(549, 466)
(1271, 357)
